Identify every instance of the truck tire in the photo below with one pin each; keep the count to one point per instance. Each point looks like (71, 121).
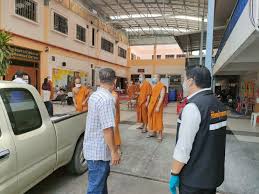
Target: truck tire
(78, 165)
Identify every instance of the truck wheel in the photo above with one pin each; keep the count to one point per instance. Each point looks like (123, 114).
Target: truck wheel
(78, 164)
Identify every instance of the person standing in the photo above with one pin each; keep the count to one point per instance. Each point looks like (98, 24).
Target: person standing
(99, 147)
(199, 154)
(142, 102)
(46, 93)
(81, 95)
(131, 93)
(117, 137)
(156, 108)
(19, 78)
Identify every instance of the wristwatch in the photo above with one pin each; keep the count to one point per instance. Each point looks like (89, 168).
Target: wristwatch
(174, 174)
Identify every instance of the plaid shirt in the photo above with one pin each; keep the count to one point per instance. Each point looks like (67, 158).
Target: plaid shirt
(101, 113)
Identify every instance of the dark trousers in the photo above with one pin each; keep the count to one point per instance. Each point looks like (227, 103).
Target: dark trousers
(190, 190)
(98, 172)
(49, 107)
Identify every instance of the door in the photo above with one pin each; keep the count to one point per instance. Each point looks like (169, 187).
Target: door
(8, 168)
(34, 137)
(30, 74)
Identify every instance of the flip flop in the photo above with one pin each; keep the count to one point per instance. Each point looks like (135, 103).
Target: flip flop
(150, 135)
(143, 131)
(140, 127)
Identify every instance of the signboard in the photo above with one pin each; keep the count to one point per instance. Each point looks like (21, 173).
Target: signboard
(25, 54)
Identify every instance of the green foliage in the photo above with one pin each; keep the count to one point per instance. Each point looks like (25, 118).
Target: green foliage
(5, 52)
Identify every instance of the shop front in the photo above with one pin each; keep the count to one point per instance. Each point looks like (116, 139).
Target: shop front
(26, 61)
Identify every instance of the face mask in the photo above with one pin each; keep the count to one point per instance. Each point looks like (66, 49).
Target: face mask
(154, 80)
(78, 85)
(141, 79)
(185, 89)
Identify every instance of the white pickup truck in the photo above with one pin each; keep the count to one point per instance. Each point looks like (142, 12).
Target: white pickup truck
(33, 145)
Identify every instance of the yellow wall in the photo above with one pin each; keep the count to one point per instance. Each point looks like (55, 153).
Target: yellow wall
(161, 66)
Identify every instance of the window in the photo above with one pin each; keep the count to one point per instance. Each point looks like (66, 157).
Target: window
(133, 56)
(180, 56)
(26, 9)
(80, 33)
(93, 36)
(158, 57)
(107, 45)
(23, 112)
(60, 23)
(122, 52)
(169, 56)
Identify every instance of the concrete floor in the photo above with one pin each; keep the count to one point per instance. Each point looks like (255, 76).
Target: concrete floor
(146, 163)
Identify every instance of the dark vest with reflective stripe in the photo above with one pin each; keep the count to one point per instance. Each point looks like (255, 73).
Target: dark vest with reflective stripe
(205, 168)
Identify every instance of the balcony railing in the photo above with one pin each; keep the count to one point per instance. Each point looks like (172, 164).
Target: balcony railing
(238, 10)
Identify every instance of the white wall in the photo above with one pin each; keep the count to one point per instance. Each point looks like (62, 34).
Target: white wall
(20, 25)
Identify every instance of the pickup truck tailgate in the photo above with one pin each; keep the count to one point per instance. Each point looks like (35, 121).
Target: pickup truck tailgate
(68, 128)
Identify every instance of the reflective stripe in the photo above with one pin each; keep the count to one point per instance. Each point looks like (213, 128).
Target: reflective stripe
(179, 121)
(218, 114)
(218, 125)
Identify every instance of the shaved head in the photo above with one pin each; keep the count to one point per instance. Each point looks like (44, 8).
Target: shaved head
(78, 80)
(157, 76)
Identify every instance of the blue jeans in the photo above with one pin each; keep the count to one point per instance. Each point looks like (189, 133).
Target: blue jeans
(98, 172)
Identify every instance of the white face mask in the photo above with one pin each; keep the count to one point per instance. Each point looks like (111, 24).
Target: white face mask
(141, 79)
(78, 85)
(185, 89)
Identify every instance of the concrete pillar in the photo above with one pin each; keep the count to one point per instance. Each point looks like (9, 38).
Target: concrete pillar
(154, 61)
(46, 13)
(201, 45)
(128, 63)
(210, 28)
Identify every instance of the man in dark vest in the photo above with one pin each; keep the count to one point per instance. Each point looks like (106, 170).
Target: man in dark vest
(199, 154)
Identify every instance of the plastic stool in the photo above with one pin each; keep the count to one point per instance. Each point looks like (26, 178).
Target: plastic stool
(254, 116)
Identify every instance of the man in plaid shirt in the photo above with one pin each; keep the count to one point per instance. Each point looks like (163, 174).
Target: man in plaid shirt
(99, 146)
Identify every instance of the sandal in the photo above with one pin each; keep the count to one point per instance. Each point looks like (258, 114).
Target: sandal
(143, 131)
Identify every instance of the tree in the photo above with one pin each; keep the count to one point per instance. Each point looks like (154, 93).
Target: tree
(5, 52)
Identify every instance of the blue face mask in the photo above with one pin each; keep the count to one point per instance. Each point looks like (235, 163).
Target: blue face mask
(154, 80)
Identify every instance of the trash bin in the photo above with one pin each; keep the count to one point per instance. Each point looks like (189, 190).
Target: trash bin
(172, 95)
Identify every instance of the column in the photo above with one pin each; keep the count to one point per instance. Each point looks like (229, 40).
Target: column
(128, 63)
(210, 28)
(201, 45)
(154, 61)
(46, 26)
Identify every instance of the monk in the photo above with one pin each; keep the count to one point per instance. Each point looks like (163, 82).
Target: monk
(131, 93)
(155, 108)
(137, 87)
(117, 137)
(142, 102)
(81, 95)
(131, 90)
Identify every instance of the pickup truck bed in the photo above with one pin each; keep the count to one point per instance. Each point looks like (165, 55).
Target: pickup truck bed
(33, 145)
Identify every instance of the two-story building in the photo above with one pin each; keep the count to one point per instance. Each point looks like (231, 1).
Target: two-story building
(61, 39)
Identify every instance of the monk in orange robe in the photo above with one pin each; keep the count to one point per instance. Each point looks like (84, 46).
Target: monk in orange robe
(131, 93)
(142, 102)
(155, 108)
(81, 95)
(131, 90)
(117, 137)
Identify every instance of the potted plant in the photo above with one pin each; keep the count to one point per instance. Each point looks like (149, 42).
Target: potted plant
(5, 52)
